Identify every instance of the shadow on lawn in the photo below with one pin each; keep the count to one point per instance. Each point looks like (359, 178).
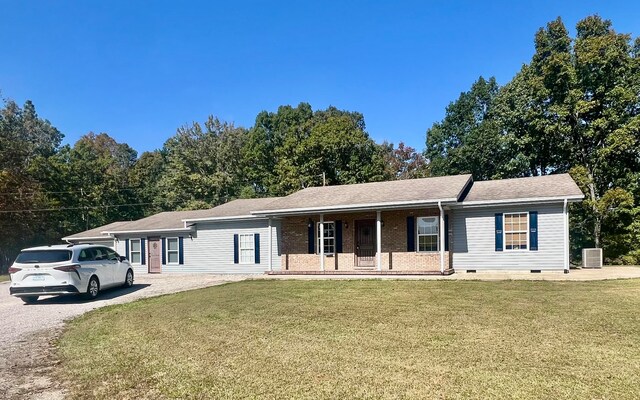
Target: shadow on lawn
(107, 294)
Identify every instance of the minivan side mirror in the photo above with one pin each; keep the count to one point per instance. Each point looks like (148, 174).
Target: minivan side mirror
(122, 258)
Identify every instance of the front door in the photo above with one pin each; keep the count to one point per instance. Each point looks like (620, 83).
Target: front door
(366, 243)
(155, 256)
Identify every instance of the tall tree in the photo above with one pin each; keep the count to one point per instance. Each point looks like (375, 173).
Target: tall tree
(403, 162)
(468, 140)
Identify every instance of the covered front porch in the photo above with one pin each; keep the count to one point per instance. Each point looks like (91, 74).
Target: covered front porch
(368, 242)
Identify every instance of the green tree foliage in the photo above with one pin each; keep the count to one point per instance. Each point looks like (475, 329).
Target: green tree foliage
(201, 166)
(292, 149)
(468, 139)
(575, 107)
(25, 141)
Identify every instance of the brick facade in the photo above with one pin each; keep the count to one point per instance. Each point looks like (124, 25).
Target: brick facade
(395, 257)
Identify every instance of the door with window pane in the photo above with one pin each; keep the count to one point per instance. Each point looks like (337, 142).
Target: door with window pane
(155, 256)
(365, 243)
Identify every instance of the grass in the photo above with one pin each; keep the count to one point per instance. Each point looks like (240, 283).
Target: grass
(4, 278)
(363, 339)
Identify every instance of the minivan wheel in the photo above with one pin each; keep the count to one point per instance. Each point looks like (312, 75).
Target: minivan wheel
(93, 288)
(128, 281)
(30, 299)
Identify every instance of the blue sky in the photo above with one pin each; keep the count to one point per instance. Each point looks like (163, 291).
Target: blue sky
(140, 69)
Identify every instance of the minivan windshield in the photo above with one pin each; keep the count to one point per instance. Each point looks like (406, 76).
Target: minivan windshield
(43, 256)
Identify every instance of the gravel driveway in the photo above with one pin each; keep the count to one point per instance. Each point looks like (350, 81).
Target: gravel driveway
(27, 332)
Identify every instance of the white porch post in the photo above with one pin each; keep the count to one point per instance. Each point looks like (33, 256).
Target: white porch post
(566, 236)
(270, 246)
(378, 241)
(321, 250)
(442, 233)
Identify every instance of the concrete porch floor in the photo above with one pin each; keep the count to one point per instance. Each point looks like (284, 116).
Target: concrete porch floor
(607, 272)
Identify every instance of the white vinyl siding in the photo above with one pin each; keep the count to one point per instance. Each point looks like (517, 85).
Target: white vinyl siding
(473, 242)
(135, 251)
(329, 237)
(516, 231)
(428, 234)
(246, 248)
(173, 252)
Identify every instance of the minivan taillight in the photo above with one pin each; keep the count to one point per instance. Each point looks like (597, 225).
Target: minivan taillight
(68, 268)
(13, 270)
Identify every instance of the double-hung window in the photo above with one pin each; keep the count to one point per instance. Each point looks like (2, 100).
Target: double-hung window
(329, 237)
(173, 251)
(428, 234)
(516, 229)
(135, 252)
(247, 248)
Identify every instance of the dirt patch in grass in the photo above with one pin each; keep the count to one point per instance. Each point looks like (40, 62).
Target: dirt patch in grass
(363, 339)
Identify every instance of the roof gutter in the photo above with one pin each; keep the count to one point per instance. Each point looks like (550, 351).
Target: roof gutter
(188, 229)
(354, 207)
(531, 200)
(214, 219)
(72, 238)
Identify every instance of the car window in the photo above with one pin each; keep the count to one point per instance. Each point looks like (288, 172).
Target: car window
(111, 254)
(86, 255)
(43, 256)
(101, 253)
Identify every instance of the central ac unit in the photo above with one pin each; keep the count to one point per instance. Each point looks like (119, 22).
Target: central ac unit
(591, 258)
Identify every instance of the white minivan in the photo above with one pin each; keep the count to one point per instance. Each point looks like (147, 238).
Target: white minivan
(67, 269)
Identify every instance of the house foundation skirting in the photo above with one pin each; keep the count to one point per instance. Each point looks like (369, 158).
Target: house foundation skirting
(363, 273)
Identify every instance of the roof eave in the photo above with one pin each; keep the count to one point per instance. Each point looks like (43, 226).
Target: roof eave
(188, 229)
(354, 208)
(68, 238)
(531, 200)
(221, 219)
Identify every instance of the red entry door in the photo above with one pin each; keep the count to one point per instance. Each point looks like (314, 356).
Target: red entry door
(155, 256)
(366, 243)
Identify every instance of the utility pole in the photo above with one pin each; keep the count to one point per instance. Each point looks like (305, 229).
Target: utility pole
(324, 179)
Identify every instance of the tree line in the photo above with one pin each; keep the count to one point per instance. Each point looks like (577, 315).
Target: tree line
(573, 108)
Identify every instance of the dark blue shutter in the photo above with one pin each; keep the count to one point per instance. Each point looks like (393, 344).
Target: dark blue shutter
(236, 257)
(164, 251)
(311, 235)
(180, 250)
(533, 230)
(411, 233)
(126, 249)
(446, 232)
(338, 236)
(499, 232)
(256, 248)
(143, 260)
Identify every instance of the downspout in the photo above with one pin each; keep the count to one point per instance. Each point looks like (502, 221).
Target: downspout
(270, 258)
(566, 235)
(442, 233)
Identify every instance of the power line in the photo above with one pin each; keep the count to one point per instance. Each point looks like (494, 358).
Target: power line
(74, 208)
(63, 192)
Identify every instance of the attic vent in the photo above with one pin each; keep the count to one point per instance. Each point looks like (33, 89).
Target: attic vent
(592, 258)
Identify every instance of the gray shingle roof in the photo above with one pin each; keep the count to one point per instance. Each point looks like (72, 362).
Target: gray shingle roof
(410, 191)
(547, 186)
(95, 232)
(175, 219)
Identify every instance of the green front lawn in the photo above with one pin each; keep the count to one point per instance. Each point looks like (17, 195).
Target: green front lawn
(4, 278)
(363, 339)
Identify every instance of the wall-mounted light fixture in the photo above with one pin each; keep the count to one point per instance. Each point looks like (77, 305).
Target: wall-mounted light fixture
(310, 223)
(382, 222)
(191, 236)
(346, 225)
